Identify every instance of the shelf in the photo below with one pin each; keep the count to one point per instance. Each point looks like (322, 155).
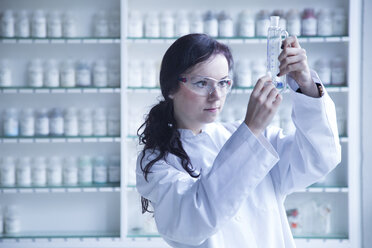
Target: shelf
(77, 40)
(324, 189)
(61, 139)
(22, 89)
(140, 234)
(327, 237)
(240, 40)
(107, 187)
(143, 90)
(61, 235)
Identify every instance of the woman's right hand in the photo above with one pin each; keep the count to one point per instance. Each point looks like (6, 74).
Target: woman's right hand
(263, 104)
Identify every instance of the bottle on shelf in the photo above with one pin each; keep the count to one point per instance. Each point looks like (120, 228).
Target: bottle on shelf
(68, 25)
(23, 172)
(246, 24)
(182, 23)
(54, 25)
(243, 74)
(71, 123)
(27, 122)
(114, 23)
(83, 73)
(85, 171)
(166, 24)
(293, 22)
(100, 24)
(56, 122)
(113, 122)
(22, 25)
(149, 73)
(341, 121)
(39, 24)
(54, 171)
(10, 122)
(152, 25)
(42, 122)
(309, 22)
(262, 23)
(100, 74)
(7, 24)
(12, 222)
(339, 22)
(134, 73)
(38, 172)
(114, 169)
(99, 122)
(225, 25)
(67, 71)
(196, 22)
(70, 171)
(210, 24)
(282, 18)
(100, 170)
(35, 73)
(113, 72)
(323, 68)
(324, 18)
(51, 73)
(8, 172)
(338, 71)
(5, 74)
(85, 122)
(135, 24)
(258, 69)
(1, 220)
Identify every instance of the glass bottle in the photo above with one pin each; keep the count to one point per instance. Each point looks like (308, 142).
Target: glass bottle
(56, 122)
(182, 23)
(70, 171)
(135, 73)
(42, 122)
(101, 25)
(196, 22)
(113, 122)
(100, 74)
(22, 25)
(8, 172)
(282, 19)
(67, 76)
(99, 122)
(5, 74)
(324, 22)
(85, 170)
(51, 73)
(10, 122)
(39, 171)
(339, 22)
(54, 25)
(113, 73)
(243, 73)
(323, 68)
(68, 25)
(225, 25)
(294, 22)
(262, 23)
(309, 22)
(166, 24)
(135, 24)
(114, 169)
(152, 26)
(338, 72)
(114, 23)
(246, 24)
(35, 73)
(27, 122)
(210, 24)
(12, 222)
(149, 73)
(258, 70)
(54, 171)
(23, 172)
(83, 73)
(39, 24)
(100, 170)
(71, 124)
(7, 24)
(85, 122)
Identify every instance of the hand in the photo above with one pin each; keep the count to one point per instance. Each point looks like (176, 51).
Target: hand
(293, 60)
(263, 104)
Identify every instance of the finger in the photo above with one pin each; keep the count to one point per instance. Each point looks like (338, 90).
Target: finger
(299, 66)
(291, 41)
(261, 83)
(265, 92)
(277, 101)
(290, 51)
(291, 60)
(272, 95)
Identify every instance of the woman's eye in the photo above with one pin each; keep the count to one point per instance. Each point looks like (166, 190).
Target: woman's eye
(201, 84)
(224, 83)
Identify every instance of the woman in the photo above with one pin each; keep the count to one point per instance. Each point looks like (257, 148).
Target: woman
(224, 184)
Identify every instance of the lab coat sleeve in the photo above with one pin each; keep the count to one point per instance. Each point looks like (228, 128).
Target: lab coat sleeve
(189, 210)
(313, 150)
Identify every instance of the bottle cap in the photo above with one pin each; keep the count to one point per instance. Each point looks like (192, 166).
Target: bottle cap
(274, 21)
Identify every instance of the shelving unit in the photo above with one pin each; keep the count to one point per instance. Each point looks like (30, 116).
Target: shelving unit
(110, 203)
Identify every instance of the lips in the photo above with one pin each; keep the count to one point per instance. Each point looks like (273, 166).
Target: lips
(212, 109)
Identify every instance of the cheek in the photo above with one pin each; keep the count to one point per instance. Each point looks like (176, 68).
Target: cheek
(190, 100)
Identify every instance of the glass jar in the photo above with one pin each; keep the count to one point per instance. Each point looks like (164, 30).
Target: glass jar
(54, 171)
(100, 170)
(101, 25)
(23, 173)
(152, 25)
(85, 170)
(182, 23)
(294, 22)
(339, 22)
(51, 73)
(210, 24)
(41, 122)
(282, 20)
(258, 70)
(99, 122)
(338, 71)
(70, 171)
(114, 24)
(7, 24)
(56, 122)
(5, 74)
(39, 24)
(113, 122)
(166, 24)
(135, 73)
(85, 122)
(114, 169)
(39, 171)
(113, 72)
(10, 122)
(54, 26)
(243, 73)
(35, 73)
(71, 124)
(8, 172)
(225, 25)
(262, 23)
(27, 122)
(67, 74)
(246, 24)
(135, 24)
(83, 73)
(309, 22)
(149, 73)
(12, 222)
(323, 68)
(196, 22)
(324, 22)
(22, 25)
(100, 74)
(68, 25)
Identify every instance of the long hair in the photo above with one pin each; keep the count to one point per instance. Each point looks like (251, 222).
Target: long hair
(160, 135)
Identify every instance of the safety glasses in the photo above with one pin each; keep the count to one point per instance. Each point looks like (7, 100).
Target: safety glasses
(205, 86)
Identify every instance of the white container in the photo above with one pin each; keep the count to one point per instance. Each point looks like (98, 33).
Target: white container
(149, 73)
(135, 73)
(41, 122)
(210, 24)
(152, 25)
(56, 122)
(113, 122)
(282, 18)
(339, 22)
(39, 171)
(309, 22)
(27, 122)
(225, 25)
(294, 22)
(22, 25)
(8, 172)
(323, 68)
(262, 23)
(166, 24)
(39, 24)
(54, 25)
(196, 22)
(85, 170)
(246, 24)
(113, 72)
(54, 171)
(12, 222)
(114, 169)
(71, 123)
(135, 24)
(85, 122)
(100, 170)
(99, 122)
(182, 23)
(23, 173)
(5, 74)
(243, 73)
(7, 24)
(338, 71)
(114, 23)
(70, 171)
(101, 24)
(35, 73)
(341, 121)
(100, 74)
(10, 122)
(258, 70)
(51, 73)
(324, 22)
(67, 77)
(83, 73)
(68, 25)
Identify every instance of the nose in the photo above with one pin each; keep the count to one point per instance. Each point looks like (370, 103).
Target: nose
(215, 94)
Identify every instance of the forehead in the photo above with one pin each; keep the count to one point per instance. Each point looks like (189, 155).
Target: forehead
(216, 67)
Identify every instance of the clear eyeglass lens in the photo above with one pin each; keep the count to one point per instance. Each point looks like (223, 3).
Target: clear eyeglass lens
(205, 86)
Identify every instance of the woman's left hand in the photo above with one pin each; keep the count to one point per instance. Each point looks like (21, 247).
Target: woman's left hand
(293, 60)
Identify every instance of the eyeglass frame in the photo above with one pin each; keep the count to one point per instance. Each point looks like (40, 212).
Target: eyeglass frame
(183, 79)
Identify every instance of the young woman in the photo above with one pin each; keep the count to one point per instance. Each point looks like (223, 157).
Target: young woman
(223, 185)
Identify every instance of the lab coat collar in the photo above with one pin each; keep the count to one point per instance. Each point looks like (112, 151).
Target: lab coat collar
(188, 134)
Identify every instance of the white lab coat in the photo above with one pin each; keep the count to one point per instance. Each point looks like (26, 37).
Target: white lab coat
(238, 199)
